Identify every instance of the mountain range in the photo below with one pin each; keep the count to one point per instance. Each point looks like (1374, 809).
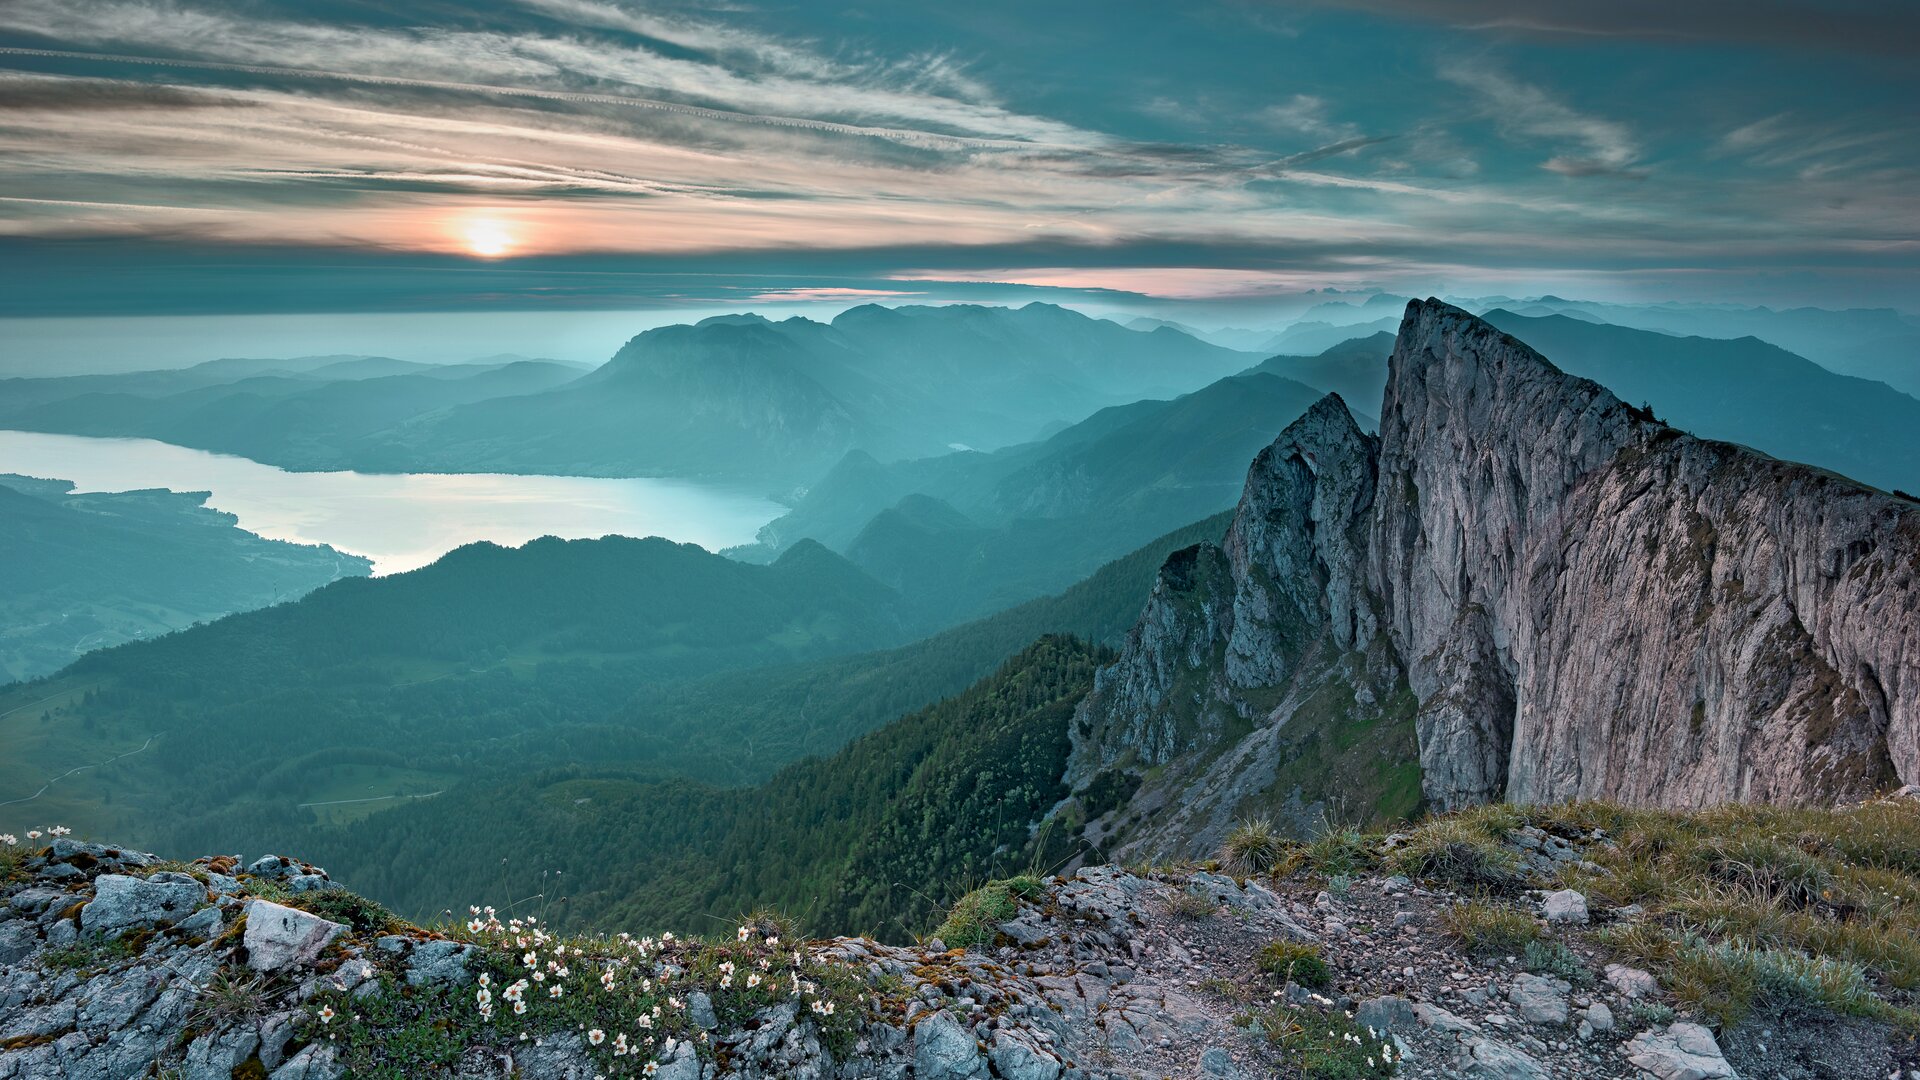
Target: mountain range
(306, 414)
(741, 397)
(1522, 587)
(736, 398)
(1624, 620)
(966, 533)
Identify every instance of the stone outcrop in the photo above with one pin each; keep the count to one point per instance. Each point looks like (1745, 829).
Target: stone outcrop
(1582, 601)
(1103, 975)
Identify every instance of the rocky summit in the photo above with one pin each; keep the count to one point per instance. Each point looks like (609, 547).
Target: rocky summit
(1491, 946)
(1523, 588)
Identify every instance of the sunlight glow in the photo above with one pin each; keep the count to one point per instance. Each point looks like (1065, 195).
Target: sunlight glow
(488, 238)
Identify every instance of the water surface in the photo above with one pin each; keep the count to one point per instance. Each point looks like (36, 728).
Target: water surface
(401, 521)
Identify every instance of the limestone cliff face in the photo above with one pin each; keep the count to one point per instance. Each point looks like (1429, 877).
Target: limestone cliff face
(1583, 601)
(1227, 620)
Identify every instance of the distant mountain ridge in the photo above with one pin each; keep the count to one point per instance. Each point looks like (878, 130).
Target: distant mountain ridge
(967, 533)
(741, 396)
(738, 399)
(302, 415)
(1742, 390)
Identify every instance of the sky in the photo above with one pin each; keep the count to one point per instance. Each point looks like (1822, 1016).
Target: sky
(1210, 160)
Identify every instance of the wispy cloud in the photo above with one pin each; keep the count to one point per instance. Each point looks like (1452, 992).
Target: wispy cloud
(1588, 145)
(690, 131)
(1860, 27)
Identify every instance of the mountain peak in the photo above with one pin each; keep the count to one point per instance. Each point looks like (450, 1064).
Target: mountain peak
(1532, 590)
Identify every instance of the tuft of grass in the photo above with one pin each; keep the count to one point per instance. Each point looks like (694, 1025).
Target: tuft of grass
(229, 997)
(1749, 903)
(1764, 865)
(1338, 852)
(1486, 927)
(1190, 905)
(1460, 852)
(975, 919)
(1227, 988)
(89, 954)
(1646, 944)
(1253, 847)
(1295, 961)
(1724, 980)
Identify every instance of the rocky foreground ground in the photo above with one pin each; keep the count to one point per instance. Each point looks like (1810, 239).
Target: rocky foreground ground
(114, 964)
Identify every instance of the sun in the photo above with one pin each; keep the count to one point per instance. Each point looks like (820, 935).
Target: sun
(488, 238)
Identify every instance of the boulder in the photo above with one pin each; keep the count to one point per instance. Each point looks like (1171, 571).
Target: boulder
(280, 937)
(1684, 1051)
(1489, 1059)
(314, 1062)
(438, 962)
(1632, 982)
(943, 1050)
(1017, 1059)
(215, 1056)
(122, 903)
(17, 942)
(1539, 1000)
(1565, 906)
(700, 1011)
(1215, 1062)
(1385, 1014)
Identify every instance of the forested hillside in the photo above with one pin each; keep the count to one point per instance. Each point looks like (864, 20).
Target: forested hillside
(645, 657)
(944, 796)
(84, 571)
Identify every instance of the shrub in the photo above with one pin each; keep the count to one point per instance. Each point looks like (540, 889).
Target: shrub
(1651, 1013)
(976, 918)
(1554, 958)
(1485, 927)
(1253, 847)
(362, 915)
(1296, 961)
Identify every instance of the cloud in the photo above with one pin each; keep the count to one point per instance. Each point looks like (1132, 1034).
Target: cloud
(603, 129)
(1597, 147)
(825, 293)
(1874, 27)
(1305, 114)
(41, 93)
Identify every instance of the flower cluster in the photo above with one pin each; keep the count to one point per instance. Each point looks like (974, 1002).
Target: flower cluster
(11, 840)
(629, 999)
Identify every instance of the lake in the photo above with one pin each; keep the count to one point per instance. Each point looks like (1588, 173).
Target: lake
(403, 521)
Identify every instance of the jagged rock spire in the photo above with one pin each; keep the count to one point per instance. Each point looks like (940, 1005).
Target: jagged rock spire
(1584, 602)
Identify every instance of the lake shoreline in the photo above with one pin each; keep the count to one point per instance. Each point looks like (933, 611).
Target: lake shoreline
(400, 521)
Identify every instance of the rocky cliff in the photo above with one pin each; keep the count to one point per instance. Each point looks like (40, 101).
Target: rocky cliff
(1560, 596)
